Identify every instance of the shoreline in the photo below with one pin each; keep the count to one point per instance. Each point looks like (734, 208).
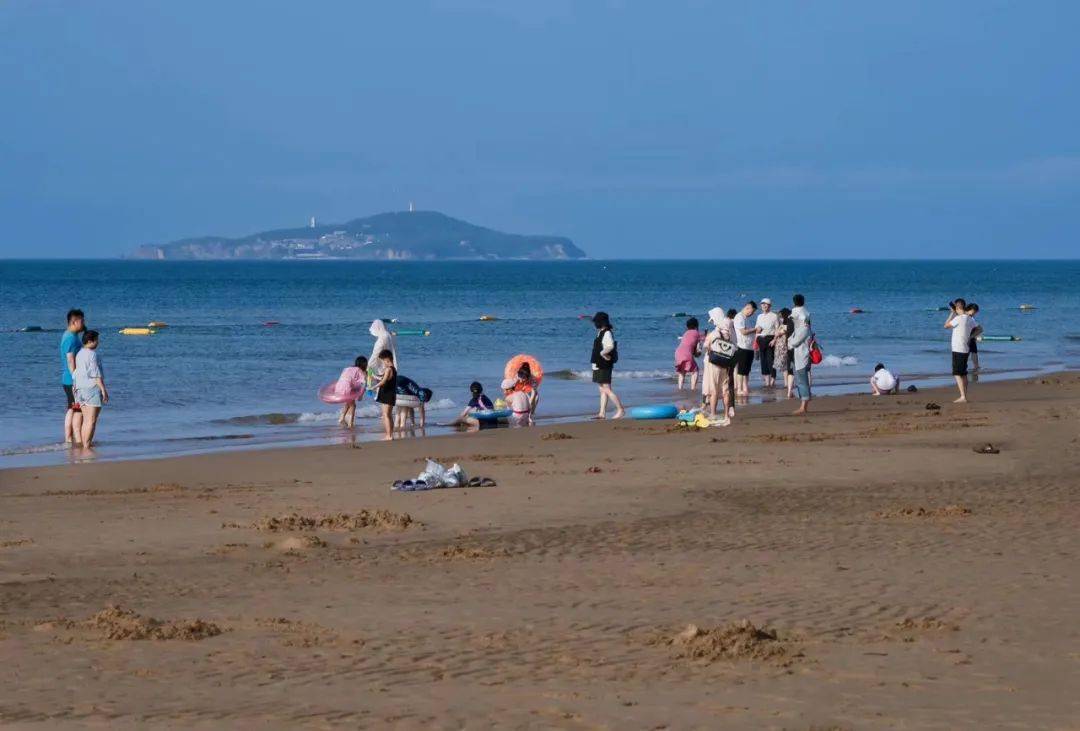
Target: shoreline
(897, 576)
(328, 435)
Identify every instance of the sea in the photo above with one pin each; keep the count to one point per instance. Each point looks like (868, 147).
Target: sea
(218, 377)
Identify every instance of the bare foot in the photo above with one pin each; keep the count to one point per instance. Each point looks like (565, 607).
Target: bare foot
(618, 414)
(960, 400)
(799, 411)
(598, 417)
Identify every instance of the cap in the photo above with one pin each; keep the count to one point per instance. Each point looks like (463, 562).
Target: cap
(766, 301)
(508, 383)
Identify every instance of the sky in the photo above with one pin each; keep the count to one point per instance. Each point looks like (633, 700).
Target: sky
(671, 130)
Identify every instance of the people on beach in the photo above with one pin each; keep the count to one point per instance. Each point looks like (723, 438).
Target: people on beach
(529, 385)
(478, 401)
(386, 391)
(352, 380)
(971, 310)
(884, 381)
(687, 353)
(744, 340)
(518, 403)
(404, 407)
(716, 382)
(963, 328)
(70, 343)
(384, 340)
(605, 354)
(781, 354)
(800, 344)
(765, 325)
(90, 388)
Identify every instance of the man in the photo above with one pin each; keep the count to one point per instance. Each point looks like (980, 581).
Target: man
(744, 340)
(963, 330)
(70, 343)
(765, 325)
(800, 346)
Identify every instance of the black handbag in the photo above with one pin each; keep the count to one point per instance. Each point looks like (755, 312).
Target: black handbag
(722, 353)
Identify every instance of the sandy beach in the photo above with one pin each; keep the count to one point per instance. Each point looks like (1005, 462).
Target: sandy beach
(862, 568)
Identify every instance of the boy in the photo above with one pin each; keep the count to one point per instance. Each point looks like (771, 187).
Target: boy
(69, 348)
(478, 402)
(89, 386)
(883, 381)
(963, 329)
(973, 344)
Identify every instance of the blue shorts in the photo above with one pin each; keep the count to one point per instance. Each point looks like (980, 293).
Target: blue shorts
(802, 383)
(89, 396)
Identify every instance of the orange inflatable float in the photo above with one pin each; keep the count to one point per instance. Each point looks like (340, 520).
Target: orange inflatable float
(517, 361)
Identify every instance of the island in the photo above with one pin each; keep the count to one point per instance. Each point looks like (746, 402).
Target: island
(404, 235)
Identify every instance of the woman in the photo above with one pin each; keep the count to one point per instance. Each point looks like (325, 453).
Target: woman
(605, 354)
(800, 344)
(384, 340)
(783, 359)
(716, 380)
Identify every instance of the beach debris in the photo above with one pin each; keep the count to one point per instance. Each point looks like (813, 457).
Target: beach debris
(933, 406)
(987, 448)
(117, 623)
(556, 436)
(740, 640)
(380, 519)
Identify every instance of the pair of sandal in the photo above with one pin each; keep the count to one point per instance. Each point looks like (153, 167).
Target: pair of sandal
(480, 482)
(407, 485)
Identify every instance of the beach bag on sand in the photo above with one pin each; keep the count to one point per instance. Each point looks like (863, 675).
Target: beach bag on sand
(722, 353)
(815, 351)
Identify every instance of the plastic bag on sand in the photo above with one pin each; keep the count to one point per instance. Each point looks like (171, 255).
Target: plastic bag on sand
(436, 475)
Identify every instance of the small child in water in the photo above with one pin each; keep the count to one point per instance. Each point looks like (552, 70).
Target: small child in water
(386, 392)
(351, 381)
(687, 353)
(883, 381)
(478, 402)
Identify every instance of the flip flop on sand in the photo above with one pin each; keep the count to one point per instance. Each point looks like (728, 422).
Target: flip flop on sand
(987, 448)
(481, 482)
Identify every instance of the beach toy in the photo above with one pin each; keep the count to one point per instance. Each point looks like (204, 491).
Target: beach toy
(137, 331)
(1000, 338)
(492, 416)
(156, 324)
(488, 318)
(1027, 307)
(856, 311)
(422, 333)
(329, 395)
(659, 411)
(512, 366)
(407, 401)
(31, 329)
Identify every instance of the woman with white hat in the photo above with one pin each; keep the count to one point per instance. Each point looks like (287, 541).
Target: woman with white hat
(720, 353)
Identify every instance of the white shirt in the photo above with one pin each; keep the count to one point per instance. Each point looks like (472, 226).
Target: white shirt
(884, 380)
(746, 342)
(962, 325)
(767, 322)
(87, 369)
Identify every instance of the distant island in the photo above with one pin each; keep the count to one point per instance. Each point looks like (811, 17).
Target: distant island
(418, 235)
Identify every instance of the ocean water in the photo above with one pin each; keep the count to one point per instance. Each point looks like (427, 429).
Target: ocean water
(218, 378)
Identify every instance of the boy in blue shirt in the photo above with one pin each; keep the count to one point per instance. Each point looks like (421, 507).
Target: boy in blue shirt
(70, 343)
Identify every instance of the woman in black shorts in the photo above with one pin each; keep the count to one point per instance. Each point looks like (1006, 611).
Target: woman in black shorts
(605, 353)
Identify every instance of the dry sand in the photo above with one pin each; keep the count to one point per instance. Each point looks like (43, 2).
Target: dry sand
(863, 568)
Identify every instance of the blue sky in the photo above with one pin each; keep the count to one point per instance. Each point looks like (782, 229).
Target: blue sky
(676, 129)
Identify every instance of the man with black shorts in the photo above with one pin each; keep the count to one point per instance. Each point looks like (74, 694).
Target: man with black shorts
(70, 343)
(963, 329)
(744, 340)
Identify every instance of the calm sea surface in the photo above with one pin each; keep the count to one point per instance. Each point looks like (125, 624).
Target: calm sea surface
(218, 378)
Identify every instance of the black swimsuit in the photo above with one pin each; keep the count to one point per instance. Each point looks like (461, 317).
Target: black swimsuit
(387, 393)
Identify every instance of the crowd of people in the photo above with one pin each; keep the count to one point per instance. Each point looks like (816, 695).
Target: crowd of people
(782, 342)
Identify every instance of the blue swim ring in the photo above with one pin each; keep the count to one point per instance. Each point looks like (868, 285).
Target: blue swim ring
(659, 411)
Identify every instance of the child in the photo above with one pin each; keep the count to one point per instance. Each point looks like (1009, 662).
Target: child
(689, 349)
(406, 412)
(883, 381)
(478, 402)
(528, 385)
(386, 392)
(518, 403)
(351, 381)
(89, 385)
(973, 345)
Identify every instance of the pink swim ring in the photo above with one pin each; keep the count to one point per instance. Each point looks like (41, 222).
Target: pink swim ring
(330, 395)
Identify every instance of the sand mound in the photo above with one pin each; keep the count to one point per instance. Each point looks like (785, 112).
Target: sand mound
(116, 623)
(379, 519)
(948, 511)
(735, 641)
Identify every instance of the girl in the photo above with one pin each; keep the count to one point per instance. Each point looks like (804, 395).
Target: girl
(605, 353)
(89, 386)
(716, 383)
(782, 361)
(386, 392)
(518, 403)
(689, 349)
(529, 386)
(351, 381)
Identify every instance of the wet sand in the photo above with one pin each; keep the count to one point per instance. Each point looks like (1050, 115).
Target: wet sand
(863, 568)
